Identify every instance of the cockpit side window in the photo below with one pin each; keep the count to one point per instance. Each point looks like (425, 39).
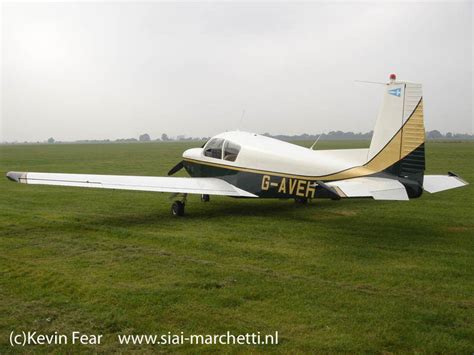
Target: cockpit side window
(213, 148)
(231, 150)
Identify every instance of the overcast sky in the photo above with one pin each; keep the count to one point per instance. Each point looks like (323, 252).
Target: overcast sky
(96, 70)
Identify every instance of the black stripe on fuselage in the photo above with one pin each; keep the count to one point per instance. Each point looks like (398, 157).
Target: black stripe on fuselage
(262, 185)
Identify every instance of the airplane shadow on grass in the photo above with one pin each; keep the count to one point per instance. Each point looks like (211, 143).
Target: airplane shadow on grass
(354, 221)
(348, 217)
(226, 210)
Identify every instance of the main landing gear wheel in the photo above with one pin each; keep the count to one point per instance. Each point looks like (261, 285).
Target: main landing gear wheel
(301, 201)
(177, 208)
(205, 198)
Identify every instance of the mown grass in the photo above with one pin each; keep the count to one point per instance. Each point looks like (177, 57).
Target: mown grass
(350, 275)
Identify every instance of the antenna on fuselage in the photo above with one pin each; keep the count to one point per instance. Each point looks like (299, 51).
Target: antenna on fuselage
(241, 119)
(316, 141)
(369, 82)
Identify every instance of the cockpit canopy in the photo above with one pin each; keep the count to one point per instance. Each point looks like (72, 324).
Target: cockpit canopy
(219, 148)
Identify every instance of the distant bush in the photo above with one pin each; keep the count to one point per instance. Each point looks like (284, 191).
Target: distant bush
(144, 137)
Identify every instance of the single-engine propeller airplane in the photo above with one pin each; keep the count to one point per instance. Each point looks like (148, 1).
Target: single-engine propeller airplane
(242, 164)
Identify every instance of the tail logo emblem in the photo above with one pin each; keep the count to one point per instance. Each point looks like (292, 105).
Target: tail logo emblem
(395, 92)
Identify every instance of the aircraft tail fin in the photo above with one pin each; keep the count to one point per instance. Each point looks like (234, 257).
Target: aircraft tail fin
(400, 129)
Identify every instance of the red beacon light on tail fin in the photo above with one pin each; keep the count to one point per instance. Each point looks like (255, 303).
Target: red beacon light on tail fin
(392, 77)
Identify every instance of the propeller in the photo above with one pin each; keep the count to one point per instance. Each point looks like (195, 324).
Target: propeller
(180, 165)
(176, 168)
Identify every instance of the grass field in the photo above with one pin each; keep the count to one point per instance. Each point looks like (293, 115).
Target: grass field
(349, 275)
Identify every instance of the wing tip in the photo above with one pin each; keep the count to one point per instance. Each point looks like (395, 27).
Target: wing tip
(15, 176)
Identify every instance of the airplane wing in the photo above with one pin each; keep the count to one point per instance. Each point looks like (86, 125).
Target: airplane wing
(208, 186)
(376, 187)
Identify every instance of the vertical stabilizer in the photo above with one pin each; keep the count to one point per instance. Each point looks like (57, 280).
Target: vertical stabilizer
(399, 135)
(402, 100)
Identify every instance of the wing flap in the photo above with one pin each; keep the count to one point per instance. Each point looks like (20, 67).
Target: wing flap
(375, 187)
(209, 186)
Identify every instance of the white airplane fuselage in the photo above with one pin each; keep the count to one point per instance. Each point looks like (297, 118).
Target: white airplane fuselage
(271, 168)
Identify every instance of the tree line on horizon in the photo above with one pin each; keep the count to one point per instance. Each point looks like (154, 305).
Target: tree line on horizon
(332, 135)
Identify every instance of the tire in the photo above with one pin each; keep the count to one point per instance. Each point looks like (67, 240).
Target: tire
(205, 198)
(301, 201)
(177, 209)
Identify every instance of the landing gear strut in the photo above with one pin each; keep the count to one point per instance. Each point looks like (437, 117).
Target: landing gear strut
(205, 198)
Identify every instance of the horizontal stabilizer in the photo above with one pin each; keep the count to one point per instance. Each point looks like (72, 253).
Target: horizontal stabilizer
(207, 186)
(375, 187)
(437, 183)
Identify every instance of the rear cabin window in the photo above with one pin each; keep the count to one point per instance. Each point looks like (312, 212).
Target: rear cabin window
(231, 150)
(213, 149)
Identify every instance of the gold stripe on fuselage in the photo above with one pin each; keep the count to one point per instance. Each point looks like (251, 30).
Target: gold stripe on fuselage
(409, 137)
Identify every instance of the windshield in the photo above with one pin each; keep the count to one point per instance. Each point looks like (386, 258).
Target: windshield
(213, 148)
